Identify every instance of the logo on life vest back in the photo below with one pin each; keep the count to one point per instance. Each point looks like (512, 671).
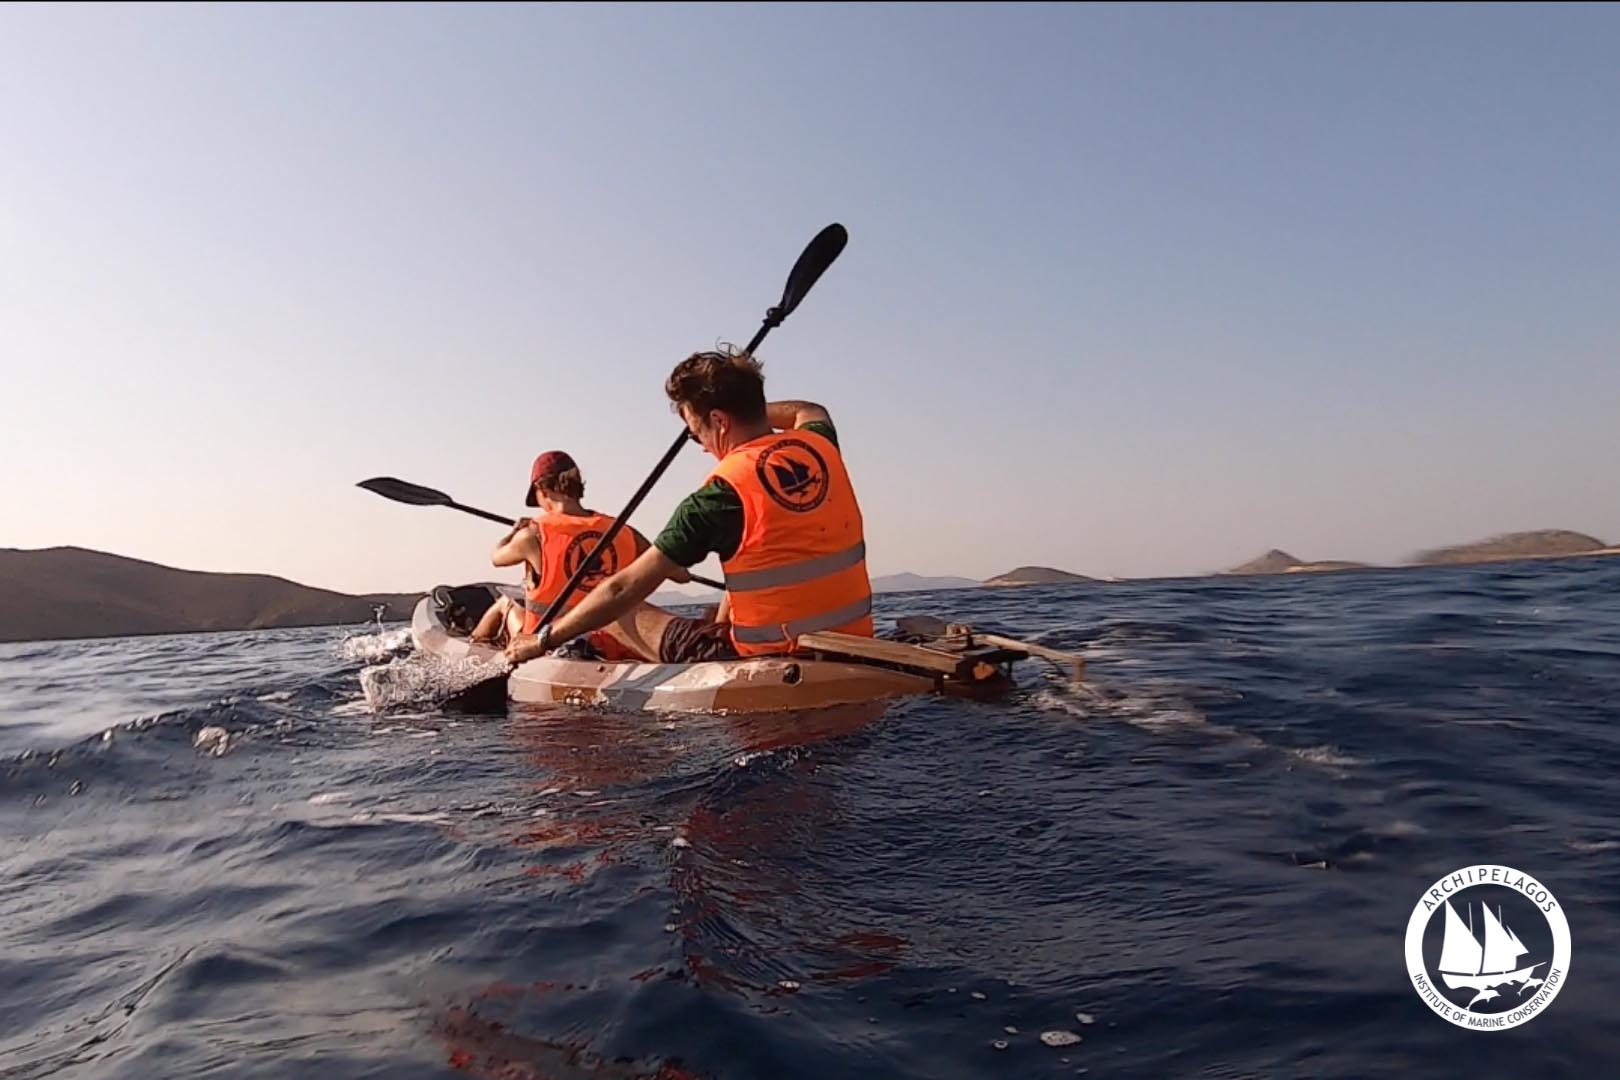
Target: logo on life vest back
(794, 474)
(605, 566)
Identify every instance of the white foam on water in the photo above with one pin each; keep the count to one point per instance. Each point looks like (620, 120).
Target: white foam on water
(424, 679)
(1587, 847)
(1486, 721)
(1077, 701)
(1153, 712)
(1325, 755)
(374, 647)
(1401, 828)
(1163, 718)
(213, 740)
(330, 811)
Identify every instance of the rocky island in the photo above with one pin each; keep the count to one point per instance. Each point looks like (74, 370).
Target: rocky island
(69, 592)
(1037, 575)
(1540, 544)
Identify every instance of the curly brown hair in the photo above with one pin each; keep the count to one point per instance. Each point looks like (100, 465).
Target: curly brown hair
(724, 379)
(568, 483)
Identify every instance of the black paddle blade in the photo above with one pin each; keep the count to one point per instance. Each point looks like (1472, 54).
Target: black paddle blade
(400, 491)
(818, 255)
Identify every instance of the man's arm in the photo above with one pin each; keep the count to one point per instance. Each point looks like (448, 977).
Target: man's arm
(679, 576)
(787, 415)
(608, 602)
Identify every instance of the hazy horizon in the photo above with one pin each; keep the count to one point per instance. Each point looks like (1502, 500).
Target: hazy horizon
(693, 589)
(1130, 291)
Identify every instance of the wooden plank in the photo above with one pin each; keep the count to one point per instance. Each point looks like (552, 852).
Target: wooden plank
(991, 654)
(890, 652)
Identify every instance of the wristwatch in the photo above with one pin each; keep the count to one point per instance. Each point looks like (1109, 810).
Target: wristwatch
(543, 639)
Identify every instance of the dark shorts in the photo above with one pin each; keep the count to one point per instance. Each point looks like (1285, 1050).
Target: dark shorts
(692, 641)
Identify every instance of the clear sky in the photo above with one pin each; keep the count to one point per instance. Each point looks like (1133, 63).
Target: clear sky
(1129, 290)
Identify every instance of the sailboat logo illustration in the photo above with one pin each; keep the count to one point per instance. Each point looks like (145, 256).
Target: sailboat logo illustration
(794, 474)
(1466, 962)
(607, 564)
(1486, 976)
(793, 477)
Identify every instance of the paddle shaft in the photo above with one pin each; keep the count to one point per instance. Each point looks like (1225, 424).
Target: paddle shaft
(416, 495)
(624, 515)
(473, 510)
(791, 297)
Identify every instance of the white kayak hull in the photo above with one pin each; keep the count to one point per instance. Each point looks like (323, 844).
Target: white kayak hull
(774, 684)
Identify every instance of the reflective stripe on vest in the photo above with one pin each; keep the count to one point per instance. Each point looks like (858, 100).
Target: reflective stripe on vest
(800, 563)
(775, 635)
(796, 573)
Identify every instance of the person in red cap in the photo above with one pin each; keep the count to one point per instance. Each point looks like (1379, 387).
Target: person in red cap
(550, 548)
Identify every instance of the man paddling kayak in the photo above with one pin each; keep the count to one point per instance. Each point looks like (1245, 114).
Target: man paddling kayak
(778, 509)
(550, 548)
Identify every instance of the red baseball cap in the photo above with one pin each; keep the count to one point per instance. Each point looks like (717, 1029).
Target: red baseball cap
(547, 465)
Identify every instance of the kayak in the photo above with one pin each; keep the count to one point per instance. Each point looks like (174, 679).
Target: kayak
(820, 673)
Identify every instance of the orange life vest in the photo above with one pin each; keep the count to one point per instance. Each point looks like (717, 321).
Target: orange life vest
(801, 564)
(565, 540)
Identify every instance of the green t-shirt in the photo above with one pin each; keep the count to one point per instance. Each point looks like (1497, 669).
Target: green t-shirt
(711, 518)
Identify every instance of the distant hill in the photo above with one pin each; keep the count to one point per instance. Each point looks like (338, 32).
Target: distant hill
(1272, 562)
(682, 598)
(1037, 575)
(1276, 561)
(1541, 544)
(69, 592)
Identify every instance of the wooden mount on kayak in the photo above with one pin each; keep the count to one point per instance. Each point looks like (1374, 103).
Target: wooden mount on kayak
(966, 662)
(961, 635)
(1057, 656)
